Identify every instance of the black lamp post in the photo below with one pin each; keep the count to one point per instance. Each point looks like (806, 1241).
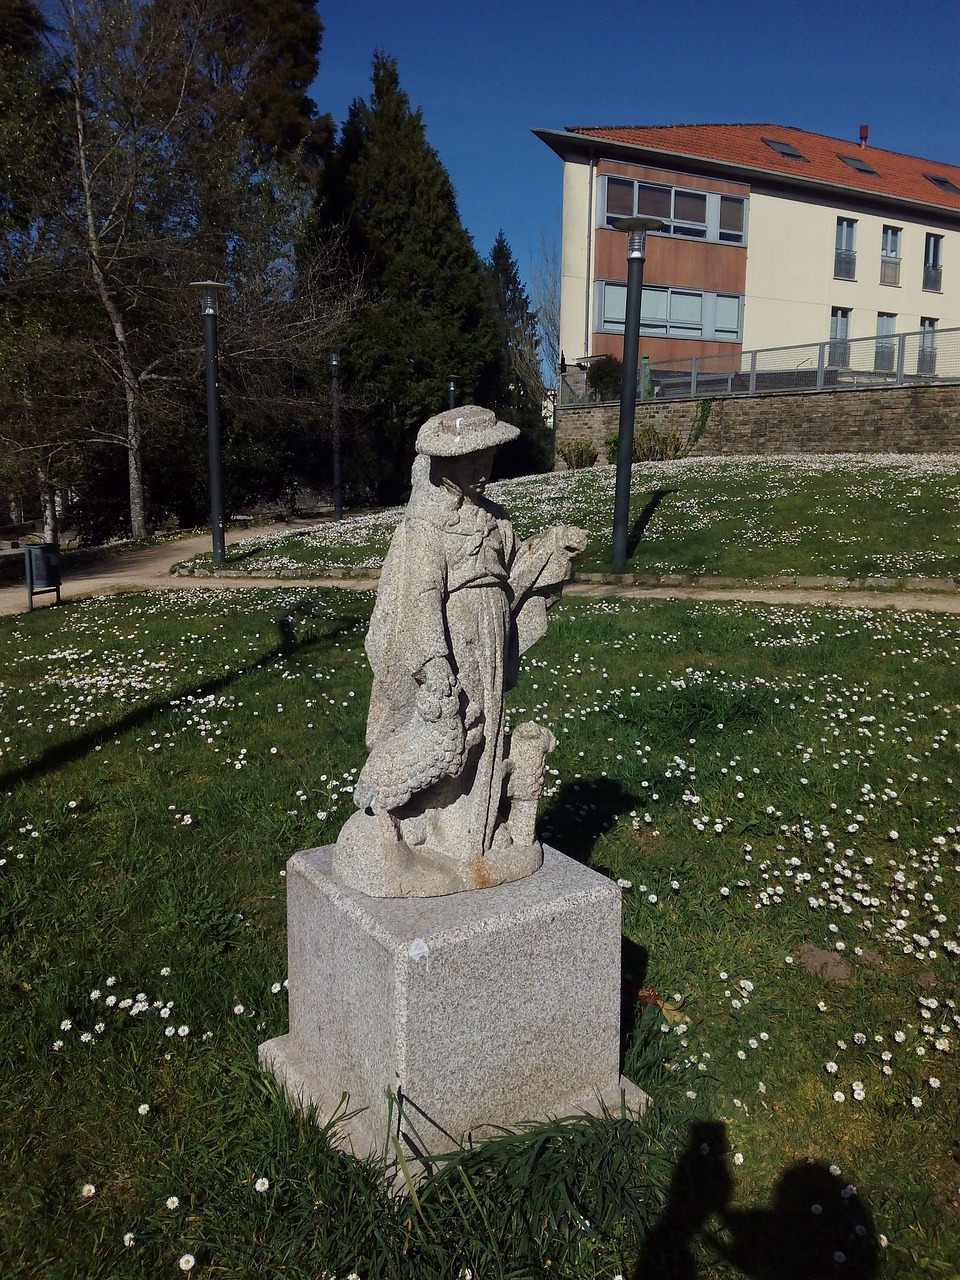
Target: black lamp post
(452, 391)
(636, 229)
(335, 411)
(209, 299)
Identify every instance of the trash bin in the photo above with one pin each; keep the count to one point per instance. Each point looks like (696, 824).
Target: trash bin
(42, 569)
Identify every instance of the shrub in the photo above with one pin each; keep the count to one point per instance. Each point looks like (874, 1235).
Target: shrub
(653, 445)
(578, 453)
(604, 378)
(649, 445)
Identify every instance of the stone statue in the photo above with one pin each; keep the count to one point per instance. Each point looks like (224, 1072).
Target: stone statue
(447, 798)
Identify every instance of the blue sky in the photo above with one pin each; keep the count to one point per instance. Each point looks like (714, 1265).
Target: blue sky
(486, 72)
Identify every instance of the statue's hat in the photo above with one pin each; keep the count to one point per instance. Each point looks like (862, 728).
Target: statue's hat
(467, 429)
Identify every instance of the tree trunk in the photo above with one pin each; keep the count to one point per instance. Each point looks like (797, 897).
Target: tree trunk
(131, 386)
(51, 518)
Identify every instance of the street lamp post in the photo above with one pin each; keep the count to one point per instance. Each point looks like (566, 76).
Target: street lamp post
(636, 229)
(335, 410)
(209, 298)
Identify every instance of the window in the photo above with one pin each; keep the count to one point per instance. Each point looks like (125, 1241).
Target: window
(886, 349)
(839, 336)
(932, 273)
(927, 355)
(944, 184)
(890, 256)
(785, 149)
(845, 254)
(858, 163)
(727, 323)
(619, 198)
(674, 313)
(655, 202)
(731, 220)
(699, 215)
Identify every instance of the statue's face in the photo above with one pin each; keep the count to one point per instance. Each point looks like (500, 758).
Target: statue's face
(469, 473)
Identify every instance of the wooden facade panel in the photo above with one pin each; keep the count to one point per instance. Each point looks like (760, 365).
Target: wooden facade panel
(688, 264)
(611, 344)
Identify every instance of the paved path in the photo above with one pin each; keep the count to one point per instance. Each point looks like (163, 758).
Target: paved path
(148, 569)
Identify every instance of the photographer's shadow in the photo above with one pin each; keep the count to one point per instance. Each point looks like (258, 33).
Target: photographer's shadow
(816, 1228)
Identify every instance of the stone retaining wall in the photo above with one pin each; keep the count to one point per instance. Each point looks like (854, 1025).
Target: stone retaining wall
(870, 420)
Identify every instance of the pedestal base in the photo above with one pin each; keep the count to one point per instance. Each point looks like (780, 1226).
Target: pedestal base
(476, 1010)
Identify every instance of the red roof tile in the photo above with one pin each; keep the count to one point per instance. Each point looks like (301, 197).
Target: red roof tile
(743, 144)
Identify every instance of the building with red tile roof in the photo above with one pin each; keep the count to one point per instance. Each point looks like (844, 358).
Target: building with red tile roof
(773, 236)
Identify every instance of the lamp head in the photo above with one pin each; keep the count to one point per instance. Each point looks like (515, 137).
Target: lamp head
(209, 294)
(636, 229)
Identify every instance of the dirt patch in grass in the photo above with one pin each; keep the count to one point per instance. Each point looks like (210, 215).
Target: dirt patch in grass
(824, 964)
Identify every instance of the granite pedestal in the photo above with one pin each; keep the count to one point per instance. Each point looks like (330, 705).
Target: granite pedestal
(485, 1008)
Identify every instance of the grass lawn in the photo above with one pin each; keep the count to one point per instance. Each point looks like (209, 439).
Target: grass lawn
(775, 787)
(848, 516)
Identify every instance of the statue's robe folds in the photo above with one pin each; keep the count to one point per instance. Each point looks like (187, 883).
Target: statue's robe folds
(457, 584)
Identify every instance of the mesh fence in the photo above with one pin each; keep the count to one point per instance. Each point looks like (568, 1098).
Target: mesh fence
(926, 356)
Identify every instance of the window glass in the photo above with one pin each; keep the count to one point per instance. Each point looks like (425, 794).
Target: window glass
(686, 308)
(943, 183)
(845, 234)
(731, 214)
(619, 198)
(890, 244)
(690, 206)
(858, 163)
(653, 201)
(728, 314)
(839, 322)
(931, 253)
(614, 303)
(653, 304)
(785, 149)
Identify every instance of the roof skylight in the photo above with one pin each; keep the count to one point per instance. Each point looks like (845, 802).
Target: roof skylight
(786, 149)
(858, 163)
(943, 183)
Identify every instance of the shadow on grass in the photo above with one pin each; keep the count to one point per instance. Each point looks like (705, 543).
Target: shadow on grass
(584, 810)
(289, 642)
(816, 1227)
(235, 556)
(638, 528)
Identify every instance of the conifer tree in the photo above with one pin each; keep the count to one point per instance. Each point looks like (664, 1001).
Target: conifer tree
(522, 394)
(429, 316)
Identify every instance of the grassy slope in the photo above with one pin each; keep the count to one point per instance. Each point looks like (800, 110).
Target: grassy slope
(841, 516)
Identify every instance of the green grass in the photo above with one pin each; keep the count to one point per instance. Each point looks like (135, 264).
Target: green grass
(845, 516)
(160, 761)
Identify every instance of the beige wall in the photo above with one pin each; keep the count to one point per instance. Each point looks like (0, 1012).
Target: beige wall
(576, 283)
(791, 289)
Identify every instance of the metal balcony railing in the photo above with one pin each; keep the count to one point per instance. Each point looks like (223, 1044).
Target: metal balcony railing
(903, 359)
(932, 277)
(845, 264)
(889, 270)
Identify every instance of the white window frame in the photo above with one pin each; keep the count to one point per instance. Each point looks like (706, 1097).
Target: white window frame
(885, 355)
(845, 250)
(927, 352)
(839, 352)
(890, 241)
(933, 262)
